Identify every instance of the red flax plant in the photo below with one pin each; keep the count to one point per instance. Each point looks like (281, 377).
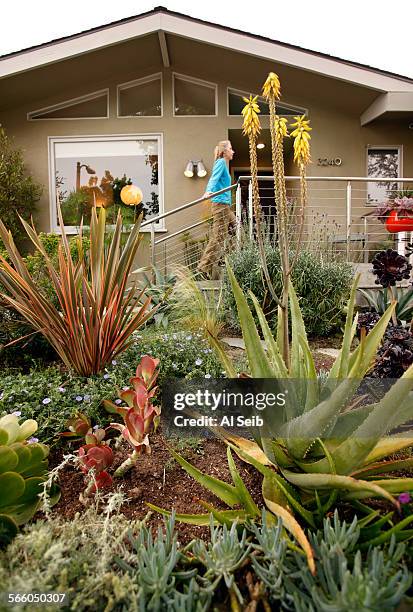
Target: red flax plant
(96, 315)
(140, 417)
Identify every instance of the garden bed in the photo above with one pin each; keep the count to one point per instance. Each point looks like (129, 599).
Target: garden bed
(158, 479)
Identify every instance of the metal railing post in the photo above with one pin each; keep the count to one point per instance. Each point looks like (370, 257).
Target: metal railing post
(238, 214)
(250, 211)
(348, 220)
(366, 242)
(153, 245)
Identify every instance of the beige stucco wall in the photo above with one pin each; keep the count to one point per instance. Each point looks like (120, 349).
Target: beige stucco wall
(334, 108)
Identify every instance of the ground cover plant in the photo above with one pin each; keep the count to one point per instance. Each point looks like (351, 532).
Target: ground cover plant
(51, 395)
(106, 561)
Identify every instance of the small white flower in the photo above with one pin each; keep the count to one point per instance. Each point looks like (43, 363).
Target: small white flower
(118, 401)
(32, 440)
(79, 398)
(46, 400)
(198, 362)
(17, 413)
(87, 397)
(125, 388)
(207, 375)
(114, 362)
(95, 427)
(106, 376)
(62, 390)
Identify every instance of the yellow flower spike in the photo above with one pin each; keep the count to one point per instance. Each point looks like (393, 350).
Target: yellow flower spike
(251, 125)
(281, 129)
(302, 138)
(271, 87)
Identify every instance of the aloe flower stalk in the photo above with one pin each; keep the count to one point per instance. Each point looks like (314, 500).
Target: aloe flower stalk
(279, 131)
(301, 135)
(251, 128)
(141, 416)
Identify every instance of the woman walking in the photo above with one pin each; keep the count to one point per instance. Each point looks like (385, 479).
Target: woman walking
(222, 215)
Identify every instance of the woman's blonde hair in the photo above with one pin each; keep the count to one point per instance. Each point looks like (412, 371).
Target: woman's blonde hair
(221, 147)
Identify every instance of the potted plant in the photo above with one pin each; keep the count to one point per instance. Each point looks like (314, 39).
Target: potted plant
(397, 213)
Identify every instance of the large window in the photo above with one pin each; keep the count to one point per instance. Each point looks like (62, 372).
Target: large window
(193, 97)
(141, 98)
(236, 104)
(92, 170)
(382, 162)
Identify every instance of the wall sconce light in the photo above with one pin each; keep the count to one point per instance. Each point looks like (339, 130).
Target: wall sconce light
(195, 166)
(260, 145)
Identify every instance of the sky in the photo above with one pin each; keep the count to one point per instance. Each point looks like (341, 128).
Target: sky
(369, 32)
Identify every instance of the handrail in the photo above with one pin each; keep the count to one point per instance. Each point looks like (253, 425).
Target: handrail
(271, 178)
(187, 205)
(365, 179)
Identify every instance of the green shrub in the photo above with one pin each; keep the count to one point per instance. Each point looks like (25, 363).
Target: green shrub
(18, 192)
(51, 396)
(324, 287)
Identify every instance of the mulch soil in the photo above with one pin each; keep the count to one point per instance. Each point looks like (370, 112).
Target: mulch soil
(158, 479)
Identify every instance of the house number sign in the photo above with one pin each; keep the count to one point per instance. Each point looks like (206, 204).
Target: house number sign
(333, 161)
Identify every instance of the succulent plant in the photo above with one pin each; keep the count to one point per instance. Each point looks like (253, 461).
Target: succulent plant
(23, 467)
(367, 321)
(95, 456)
(389, 267)
(141, 416)
(395, 355)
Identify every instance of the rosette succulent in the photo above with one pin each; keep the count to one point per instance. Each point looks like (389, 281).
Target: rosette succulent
(389, 267)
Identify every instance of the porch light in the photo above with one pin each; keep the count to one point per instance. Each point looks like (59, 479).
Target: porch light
(260, 145)
(197, 166)
(189, 170)
(200, 169)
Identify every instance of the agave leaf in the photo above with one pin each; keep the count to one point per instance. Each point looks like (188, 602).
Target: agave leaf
(383, 467)
(202, 519)
(387, 535)
(294, 528)
(391, 485)
(297, 331)
(220, 516)
(300, 433)
(354, 450)
(280, 485)
(390, 445)
(259, 364)
(281, 313)
(249, 447)
(372, 343)
(244, 495)
(335, 481)
(277, 362)
(340, 368)
(227, 493)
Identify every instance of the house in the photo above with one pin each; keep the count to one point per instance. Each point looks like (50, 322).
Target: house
(143, 96)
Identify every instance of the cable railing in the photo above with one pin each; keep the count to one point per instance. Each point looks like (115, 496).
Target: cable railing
(338, 220)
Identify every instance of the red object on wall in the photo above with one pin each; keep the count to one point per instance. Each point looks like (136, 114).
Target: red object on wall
(395, 224)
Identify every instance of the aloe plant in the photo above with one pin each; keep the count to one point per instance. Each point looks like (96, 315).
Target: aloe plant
(23, 466)
(315, 451)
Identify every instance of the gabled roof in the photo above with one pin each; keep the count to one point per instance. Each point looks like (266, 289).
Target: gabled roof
(161, 19)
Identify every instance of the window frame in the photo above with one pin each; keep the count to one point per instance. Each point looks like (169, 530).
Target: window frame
(389, 147)
(141, 81)
(53, 140)
(300, 109)
(194, 81)
(68, 104)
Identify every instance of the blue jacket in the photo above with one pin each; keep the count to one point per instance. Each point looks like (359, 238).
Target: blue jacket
(219, 179)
